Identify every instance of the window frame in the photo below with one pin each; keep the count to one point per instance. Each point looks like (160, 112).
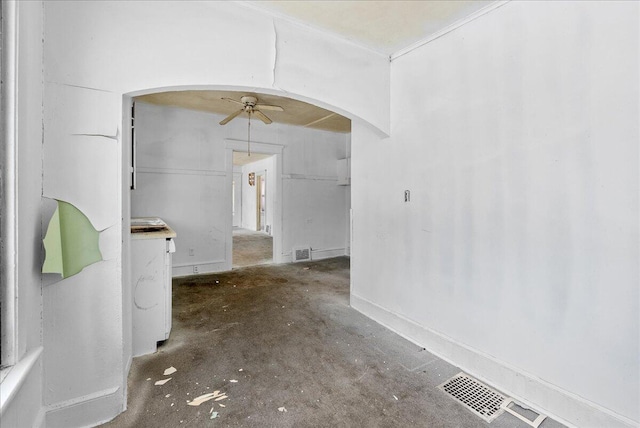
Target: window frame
(8, 187)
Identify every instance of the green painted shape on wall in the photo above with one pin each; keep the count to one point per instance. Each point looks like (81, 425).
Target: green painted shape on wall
(71, 242)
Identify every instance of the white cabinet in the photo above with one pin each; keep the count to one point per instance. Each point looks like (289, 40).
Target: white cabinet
(344, 172)
(151, 288)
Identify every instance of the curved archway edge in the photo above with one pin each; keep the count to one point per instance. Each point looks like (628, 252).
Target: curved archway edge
(264, 90)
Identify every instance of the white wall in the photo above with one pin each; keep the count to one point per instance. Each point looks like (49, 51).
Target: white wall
(182, 177)
(118, 48)
(21, 389)
(517, 257)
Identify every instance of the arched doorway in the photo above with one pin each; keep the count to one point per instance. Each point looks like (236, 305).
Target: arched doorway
(282, 249)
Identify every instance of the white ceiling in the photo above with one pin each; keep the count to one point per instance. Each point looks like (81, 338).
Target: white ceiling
(295, 112)
(383, 26)
(244, 158)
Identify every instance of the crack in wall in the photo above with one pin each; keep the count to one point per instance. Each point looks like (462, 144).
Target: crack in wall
(275, 54)
(81, 87)
(111, 137)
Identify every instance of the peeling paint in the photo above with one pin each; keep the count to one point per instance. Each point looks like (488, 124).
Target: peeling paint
(71, 242)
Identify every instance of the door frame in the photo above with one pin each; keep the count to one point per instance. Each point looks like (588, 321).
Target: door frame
(276, 150)
(237, 178)
(261, 187)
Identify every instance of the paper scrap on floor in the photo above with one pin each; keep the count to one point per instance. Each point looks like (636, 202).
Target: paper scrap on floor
(206, 397)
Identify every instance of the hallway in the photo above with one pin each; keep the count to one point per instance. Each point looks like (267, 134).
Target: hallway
(251, 248)
(284, 337)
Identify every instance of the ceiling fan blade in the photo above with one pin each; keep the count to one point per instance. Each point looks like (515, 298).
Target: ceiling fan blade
(268, 107)
(262, 116)
(232, 100)
(231, 116)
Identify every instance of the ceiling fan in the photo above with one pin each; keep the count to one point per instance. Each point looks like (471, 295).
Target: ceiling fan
(250, 106)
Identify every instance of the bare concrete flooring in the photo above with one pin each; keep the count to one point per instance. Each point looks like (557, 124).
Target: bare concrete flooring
(284, 337)
(251, 248)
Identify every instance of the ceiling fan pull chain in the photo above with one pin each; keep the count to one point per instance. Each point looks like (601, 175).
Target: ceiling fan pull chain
(249, 137)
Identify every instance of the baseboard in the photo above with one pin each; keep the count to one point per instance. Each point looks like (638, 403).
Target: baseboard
(39, 422)
(125, 391)
(186, 269)
(328, 253)
(128, 365)
(559, 404)
(86, 411)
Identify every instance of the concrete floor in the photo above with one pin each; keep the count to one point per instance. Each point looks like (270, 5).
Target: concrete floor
(251, 248)
(284, 336)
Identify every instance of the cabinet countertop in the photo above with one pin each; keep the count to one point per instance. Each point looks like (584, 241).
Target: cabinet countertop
(157, 229)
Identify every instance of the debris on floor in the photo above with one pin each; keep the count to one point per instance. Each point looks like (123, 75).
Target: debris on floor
(214, 415)
(171, 370)
(282, 409)
(395, 397)
(167, 396)
(206, 397)
(163, 381)
(233, 381)
(221, 405)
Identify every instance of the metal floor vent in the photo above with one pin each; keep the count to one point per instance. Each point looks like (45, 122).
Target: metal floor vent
(301, 254)
(475, 396)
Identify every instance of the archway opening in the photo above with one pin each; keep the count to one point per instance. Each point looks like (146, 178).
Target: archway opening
(181, 166)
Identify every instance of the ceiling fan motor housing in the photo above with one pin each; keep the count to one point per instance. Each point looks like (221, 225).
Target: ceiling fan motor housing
(250, 106)
(249, 101)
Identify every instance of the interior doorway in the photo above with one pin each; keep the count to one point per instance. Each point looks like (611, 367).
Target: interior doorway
(252, 209)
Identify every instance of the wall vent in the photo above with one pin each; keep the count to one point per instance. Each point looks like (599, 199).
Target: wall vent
(475, 396)
(301, 254)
